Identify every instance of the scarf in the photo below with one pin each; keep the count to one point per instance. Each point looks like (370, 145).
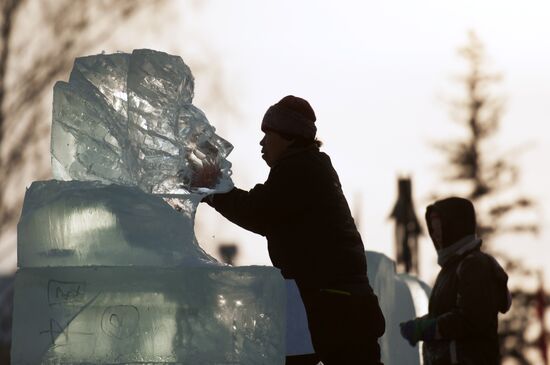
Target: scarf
(458, 248)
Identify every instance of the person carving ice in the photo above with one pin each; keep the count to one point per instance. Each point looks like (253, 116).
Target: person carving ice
(469, 292)
(311, 235)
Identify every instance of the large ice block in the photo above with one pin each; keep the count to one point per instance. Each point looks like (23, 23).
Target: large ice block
(198, 315)
(85, 223)
(411, 301)
(129, 119)
(401, 297)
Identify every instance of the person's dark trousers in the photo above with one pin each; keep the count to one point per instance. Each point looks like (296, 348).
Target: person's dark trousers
(309, 359)
(344, 328)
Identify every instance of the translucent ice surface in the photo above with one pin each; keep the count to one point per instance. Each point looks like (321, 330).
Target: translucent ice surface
(129, 119)
(402, 297)
(110, 271)
(83, 223)
(197, 315)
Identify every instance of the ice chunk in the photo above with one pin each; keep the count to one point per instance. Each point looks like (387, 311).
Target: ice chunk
(129, 119)
(412, 297)
(83, 223)
(192, 315)
(400, 297)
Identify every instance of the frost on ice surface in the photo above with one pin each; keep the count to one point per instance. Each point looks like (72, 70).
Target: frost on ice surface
(129, 119)
(109, 272)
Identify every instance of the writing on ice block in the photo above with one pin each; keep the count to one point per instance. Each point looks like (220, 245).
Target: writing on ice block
(116, 315)
(86, 223)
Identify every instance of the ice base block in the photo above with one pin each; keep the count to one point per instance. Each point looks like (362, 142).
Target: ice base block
(132, 315)
(87, 223)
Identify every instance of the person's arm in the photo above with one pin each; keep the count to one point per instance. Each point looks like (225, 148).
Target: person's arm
(247, 209)
(266, 205)
(419, 329)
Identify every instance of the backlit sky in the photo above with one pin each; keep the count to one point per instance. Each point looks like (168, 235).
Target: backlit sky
(377, 74)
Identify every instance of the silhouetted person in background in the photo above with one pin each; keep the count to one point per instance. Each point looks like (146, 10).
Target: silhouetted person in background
(311, 235)
(469, 292)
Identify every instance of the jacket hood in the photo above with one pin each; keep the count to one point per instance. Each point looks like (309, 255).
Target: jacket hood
(294, 150)
(503, 294)
(458, 219)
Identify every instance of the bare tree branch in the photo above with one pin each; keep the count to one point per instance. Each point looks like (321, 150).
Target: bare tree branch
(9, 8)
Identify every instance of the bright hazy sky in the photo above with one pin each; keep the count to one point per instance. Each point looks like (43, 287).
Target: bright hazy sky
(377, 74)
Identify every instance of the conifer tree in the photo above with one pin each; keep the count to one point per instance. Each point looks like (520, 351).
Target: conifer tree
(488, 178)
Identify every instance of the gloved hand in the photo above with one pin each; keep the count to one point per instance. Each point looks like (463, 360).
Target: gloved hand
(206, 175)
(419, 329)
(208, 199)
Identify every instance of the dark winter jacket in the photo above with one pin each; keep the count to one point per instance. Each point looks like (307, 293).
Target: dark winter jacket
(469, 292)
(303, 213)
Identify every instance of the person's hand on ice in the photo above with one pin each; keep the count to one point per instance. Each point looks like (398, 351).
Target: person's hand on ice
(206, 175)
(419, 329)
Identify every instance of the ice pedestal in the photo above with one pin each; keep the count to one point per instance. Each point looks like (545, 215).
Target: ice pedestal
(112, 275)
(84, 223)
(116, 315)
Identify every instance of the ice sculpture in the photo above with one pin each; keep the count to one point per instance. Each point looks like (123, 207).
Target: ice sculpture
(128, 119)
(109, 272)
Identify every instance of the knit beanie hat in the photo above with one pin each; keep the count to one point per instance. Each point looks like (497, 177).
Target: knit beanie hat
(291, 115)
